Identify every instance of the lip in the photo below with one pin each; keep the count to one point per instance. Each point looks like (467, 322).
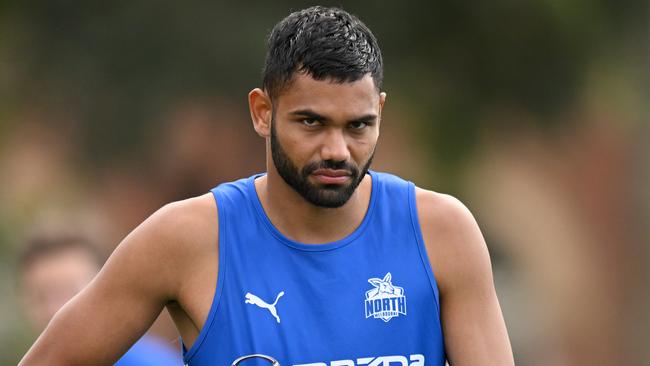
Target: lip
(331, 176)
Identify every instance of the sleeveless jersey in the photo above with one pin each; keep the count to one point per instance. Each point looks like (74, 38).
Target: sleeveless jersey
(368, 299)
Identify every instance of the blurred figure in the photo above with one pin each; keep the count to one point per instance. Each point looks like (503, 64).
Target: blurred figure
(53, 269)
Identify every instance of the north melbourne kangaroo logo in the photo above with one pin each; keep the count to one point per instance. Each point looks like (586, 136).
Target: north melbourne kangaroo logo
(386, 300)
(252, 299)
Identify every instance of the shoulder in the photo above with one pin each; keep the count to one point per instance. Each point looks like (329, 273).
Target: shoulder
(455, 246)
(179, 224)
(442, 211)
(181, 219)
(178, 236)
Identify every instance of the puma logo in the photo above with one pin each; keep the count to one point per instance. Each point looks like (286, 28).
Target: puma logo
(252, 299)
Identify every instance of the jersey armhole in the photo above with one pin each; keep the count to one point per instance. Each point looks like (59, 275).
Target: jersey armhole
(223, 264)
(421, 247)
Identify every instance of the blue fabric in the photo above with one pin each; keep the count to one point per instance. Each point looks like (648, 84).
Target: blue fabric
(369, 295)
(149, 351)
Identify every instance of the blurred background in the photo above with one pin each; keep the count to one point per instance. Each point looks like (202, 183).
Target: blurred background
(534, 113)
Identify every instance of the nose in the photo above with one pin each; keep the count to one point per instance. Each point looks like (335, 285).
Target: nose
(335, 146)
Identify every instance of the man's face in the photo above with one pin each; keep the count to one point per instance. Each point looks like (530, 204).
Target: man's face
(49, 282)
(323, 136)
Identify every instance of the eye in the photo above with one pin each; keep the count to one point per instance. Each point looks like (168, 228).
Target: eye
(358, 125)
(310, 122)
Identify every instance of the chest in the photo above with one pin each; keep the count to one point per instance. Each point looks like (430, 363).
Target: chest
(363, 300)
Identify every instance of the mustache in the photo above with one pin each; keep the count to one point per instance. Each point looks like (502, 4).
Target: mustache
(330, 164)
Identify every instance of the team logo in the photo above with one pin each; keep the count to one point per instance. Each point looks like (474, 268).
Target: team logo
(386, 300)
(255, 300)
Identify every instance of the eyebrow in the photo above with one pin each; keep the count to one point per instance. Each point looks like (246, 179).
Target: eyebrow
(368, 118)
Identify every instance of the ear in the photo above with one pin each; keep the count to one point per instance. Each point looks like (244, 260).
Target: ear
(374, 281)
(261, 109)
(387, 278)
(382, 100)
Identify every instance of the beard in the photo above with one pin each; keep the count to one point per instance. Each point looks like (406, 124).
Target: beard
(321, 195)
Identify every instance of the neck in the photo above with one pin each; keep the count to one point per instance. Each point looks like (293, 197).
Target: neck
(304, 222)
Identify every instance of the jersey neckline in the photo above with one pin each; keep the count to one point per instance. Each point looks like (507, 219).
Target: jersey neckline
(250, 183)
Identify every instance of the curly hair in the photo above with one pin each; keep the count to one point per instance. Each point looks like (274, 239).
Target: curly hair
(325, 43)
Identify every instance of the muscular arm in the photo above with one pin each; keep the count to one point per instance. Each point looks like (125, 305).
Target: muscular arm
(143, 274)
(473, 326)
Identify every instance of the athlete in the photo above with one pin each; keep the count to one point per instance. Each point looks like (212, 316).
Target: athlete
(317, 262)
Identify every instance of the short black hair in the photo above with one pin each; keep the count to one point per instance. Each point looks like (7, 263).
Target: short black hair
(48, 245)
(325, 43)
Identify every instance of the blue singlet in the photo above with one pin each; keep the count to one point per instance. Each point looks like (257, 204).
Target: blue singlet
(367, 299)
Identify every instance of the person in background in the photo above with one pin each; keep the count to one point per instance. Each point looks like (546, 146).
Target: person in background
(52, 269)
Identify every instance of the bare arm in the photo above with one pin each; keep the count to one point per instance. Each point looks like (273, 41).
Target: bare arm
(143, 274)
(473, 326)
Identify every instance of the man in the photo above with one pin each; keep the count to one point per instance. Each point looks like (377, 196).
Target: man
(317, 262)
(52, 269)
